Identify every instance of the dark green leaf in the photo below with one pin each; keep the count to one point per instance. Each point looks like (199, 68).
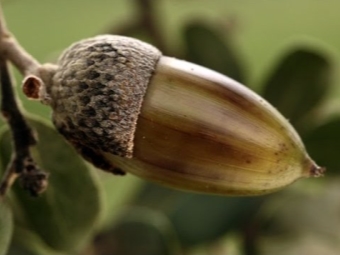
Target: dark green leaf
(301, 220)
(208, 48)
(204, 218)
(323, 145)
(25, 242)
(117, 192)
(298, 83)
(66, 214)
(14, 250)
(139, 231)
(200, 218)
(6, 227)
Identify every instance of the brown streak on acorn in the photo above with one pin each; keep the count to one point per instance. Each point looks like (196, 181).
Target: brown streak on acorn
(216, 89)
(173, 147)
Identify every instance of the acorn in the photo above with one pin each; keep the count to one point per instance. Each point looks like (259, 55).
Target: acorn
(127, 108)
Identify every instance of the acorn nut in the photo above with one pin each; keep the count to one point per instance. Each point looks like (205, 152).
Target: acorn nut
(125, 107)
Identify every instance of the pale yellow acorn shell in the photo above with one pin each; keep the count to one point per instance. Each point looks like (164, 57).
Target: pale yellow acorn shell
(201, 131)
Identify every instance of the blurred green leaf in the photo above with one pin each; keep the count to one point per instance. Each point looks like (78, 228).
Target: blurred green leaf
(66, 214)
(323, 145)
(308, 244)
(204, 218)
(304, 218)
(6, 227)
(208, 48)
(117, 192)
(25, 242)
(298, 83)
(138, 231)
(200, 218)
(15, 250)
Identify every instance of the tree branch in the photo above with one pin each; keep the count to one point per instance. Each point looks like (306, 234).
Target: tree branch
(22, 165)
(147, 21)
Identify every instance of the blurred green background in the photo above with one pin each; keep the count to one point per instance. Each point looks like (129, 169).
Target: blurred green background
(262, 30)
(265, 45)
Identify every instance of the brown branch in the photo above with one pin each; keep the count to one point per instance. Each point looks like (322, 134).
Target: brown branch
(147, 21)
(22, 165)
(148, 18)
(22, 60)
(250, 238)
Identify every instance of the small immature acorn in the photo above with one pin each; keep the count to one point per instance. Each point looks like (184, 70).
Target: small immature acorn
(127, 108)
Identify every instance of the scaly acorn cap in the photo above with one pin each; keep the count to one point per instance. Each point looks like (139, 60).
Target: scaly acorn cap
(125, 107)
(98, 89)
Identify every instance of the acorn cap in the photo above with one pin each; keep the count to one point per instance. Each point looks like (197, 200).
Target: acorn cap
(98, 89)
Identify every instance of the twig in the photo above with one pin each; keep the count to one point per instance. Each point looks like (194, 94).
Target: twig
(249, 234)
(22, 165)
(148, 21)
(147, 12)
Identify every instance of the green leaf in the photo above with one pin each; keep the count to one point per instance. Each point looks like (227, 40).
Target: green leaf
(208, 48)
(298, 83)
(217, 216)
(66, 214)
(139, 231)
(323, 145)
(303, 220)
(200, 218)
(25, 242)
(6, 227)
(14, 250)
(117, 192)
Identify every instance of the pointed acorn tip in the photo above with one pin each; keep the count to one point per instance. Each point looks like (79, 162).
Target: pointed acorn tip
(316, 171)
